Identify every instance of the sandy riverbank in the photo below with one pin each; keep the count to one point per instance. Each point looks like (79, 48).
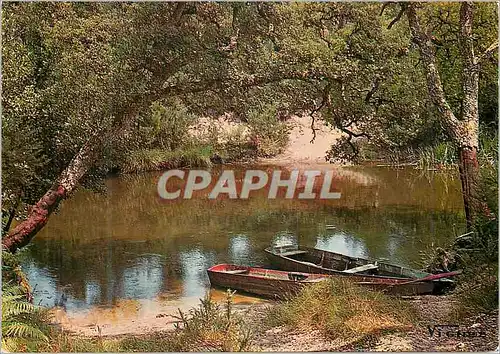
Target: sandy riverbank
(432, 310)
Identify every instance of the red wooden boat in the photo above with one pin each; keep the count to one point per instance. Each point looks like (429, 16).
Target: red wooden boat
(260, 281)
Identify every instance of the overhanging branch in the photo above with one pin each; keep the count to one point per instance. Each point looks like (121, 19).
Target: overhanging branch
(491, 49)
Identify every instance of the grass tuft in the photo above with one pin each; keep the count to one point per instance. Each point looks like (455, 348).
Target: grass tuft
(209, 327)
(340, 310)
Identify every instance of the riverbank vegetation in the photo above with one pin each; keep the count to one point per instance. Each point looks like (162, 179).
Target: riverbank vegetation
(208, 327)
(344, 311)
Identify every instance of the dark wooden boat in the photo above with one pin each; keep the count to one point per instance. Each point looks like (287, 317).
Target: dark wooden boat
(375, 274)
(260, 281)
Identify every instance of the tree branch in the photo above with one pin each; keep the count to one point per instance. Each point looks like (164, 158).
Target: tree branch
(324, 101)
(434, 85)
(399, 15)
(383, 7)
(492, 48)
(370, 93)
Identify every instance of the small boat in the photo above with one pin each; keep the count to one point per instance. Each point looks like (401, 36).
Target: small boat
(376, 274)
(260, 281)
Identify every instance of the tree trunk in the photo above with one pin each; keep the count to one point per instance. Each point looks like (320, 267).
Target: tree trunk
(469, 169)
(464, 132)
(469, 164)
(40, 212)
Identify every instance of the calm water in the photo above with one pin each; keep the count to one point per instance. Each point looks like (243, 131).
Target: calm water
(127, 244)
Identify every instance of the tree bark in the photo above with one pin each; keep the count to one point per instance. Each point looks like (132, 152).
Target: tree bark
(465, 131)
(40, 212)
(469, 164)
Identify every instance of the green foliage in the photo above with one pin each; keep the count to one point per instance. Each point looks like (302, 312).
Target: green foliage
(13, 274)
(486, 226)
(157, 159)
(22, 322)
(236, 146)
(207, 328)
(166, 127)
(441, 155)
(153, 67)
(211, 327)
(268, 134)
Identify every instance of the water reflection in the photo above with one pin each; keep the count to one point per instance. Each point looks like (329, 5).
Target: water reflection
(343, 243)
(144, 278)
(284, 238)
(193, 267)
(139, 248)
(240, 250)
(92, 293)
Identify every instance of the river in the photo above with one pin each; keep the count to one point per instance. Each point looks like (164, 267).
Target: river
(100, 251)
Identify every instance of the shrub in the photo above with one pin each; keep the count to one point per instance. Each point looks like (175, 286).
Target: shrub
(209, 327)
(157, 159)
(477, 291)
(268, 134)
(236, 145)
(168, 125)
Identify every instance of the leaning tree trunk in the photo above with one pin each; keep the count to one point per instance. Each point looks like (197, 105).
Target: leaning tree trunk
(39, 213)
(65, 184)
(464, 131)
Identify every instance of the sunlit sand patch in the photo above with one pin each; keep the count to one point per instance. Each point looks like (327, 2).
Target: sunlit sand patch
(98, 319)
(137, 316)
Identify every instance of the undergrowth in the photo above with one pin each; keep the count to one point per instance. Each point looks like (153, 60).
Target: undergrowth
(477, 251)
(268, 134)
(479, 295)
(210, 327)
(23, 324)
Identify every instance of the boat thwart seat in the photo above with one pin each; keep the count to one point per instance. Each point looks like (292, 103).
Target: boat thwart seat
(292, 253)
(237, 271)
(362, 268)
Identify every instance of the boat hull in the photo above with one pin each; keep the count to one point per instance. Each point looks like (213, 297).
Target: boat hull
(393, 284)
(259, 281)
